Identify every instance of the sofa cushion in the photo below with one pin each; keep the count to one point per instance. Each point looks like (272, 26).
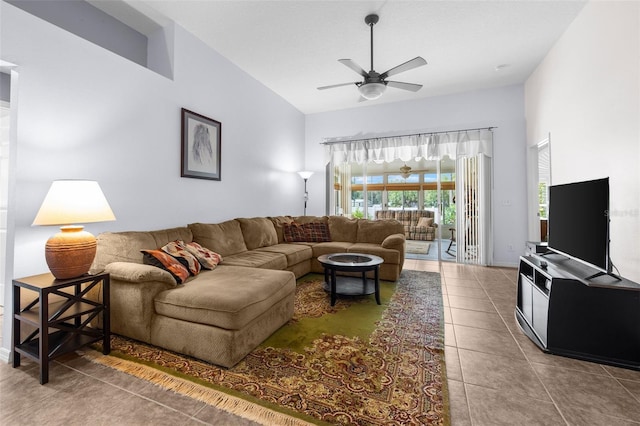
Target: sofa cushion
(178, 251)
(258, 232)
(309, 219)
(208, 259)
(343, 228)
(389, 255)
(375, 231)
(295, 253)
(330, 248)
(127, 246)
(258, 259)
(228, 297)
(162, 260)
(224, 238)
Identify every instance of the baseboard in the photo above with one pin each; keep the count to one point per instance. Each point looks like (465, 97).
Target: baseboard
(5, 355)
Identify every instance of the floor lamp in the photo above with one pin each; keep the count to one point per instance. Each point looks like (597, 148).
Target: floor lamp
(305, 175)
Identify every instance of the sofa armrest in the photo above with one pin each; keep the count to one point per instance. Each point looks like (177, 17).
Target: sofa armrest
(394, 241)
(139, 273)
(133, 290)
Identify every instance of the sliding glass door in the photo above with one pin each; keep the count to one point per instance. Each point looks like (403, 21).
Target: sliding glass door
(443, 178)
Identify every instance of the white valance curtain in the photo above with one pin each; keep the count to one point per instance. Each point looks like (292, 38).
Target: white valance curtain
(431, 146)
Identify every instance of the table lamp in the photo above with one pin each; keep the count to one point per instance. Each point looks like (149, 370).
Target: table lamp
(70, 253)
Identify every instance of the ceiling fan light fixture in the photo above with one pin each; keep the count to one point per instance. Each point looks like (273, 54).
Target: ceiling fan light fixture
(405, 171)
(372, 91)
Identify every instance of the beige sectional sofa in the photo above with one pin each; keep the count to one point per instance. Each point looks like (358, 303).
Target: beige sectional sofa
(220, 315)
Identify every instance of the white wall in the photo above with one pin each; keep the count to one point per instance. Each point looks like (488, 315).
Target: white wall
(502, 107)
(85, 112)
(586, 94)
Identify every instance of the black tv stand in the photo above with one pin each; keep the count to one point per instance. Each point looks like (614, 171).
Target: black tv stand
(601, 274)
(595, 319)
(569, 260)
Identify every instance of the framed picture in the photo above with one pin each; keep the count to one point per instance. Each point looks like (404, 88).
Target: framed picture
(201, 140)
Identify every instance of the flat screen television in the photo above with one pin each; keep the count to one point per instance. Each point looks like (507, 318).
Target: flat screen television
(579, 222)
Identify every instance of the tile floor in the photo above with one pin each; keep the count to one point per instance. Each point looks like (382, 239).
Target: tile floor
(496, 376)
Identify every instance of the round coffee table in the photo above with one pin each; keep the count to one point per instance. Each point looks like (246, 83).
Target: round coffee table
(351, 262)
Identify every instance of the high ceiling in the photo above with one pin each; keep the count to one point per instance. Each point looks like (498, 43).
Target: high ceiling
(293, 47)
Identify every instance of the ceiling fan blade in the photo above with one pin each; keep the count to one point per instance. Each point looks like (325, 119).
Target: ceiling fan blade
(357, 68)
(409, 65)
(336, 85)
(404, 86)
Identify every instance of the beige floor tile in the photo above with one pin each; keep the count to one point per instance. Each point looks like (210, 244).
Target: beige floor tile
(447, 314)
(633, 387)
(536, 355)
(472, 303)
(511, 375)
(460, 282)
(452, 362)
(478, 319)
(449, 335)
(474, 292)
(577, 417)
(458, 274)
(623, 373)
(458, 406)
(489, 407)
(487, 341)
(445, 300)
(595, 393)
(136, 386)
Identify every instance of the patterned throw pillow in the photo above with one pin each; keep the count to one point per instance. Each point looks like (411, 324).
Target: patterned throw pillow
(207, 258)
(316, 232)
(426, 222)
(178, 250)
(167, 262)
(312, 232)
(293, 232)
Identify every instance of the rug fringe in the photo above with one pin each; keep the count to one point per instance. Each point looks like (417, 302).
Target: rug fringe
(218, 399)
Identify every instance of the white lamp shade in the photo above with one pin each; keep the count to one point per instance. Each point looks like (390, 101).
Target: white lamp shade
(305, 174)
(372, 91)
(73, 202)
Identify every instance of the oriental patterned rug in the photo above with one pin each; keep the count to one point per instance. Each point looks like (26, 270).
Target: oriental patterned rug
(354, 363)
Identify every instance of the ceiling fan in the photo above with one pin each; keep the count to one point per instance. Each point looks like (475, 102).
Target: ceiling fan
(375, 84)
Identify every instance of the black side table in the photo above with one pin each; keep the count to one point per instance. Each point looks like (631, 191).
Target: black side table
(61, 314)
(351, 262)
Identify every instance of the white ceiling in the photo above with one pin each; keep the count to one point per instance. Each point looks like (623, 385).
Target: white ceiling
(293, 47)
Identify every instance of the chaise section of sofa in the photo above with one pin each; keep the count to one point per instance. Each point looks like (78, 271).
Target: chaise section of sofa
(225, 314)
(219, 315)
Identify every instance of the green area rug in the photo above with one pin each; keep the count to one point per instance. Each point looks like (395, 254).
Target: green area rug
(354, 363)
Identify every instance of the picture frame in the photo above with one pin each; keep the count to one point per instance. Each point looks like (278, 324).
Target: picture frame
(201, 146)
